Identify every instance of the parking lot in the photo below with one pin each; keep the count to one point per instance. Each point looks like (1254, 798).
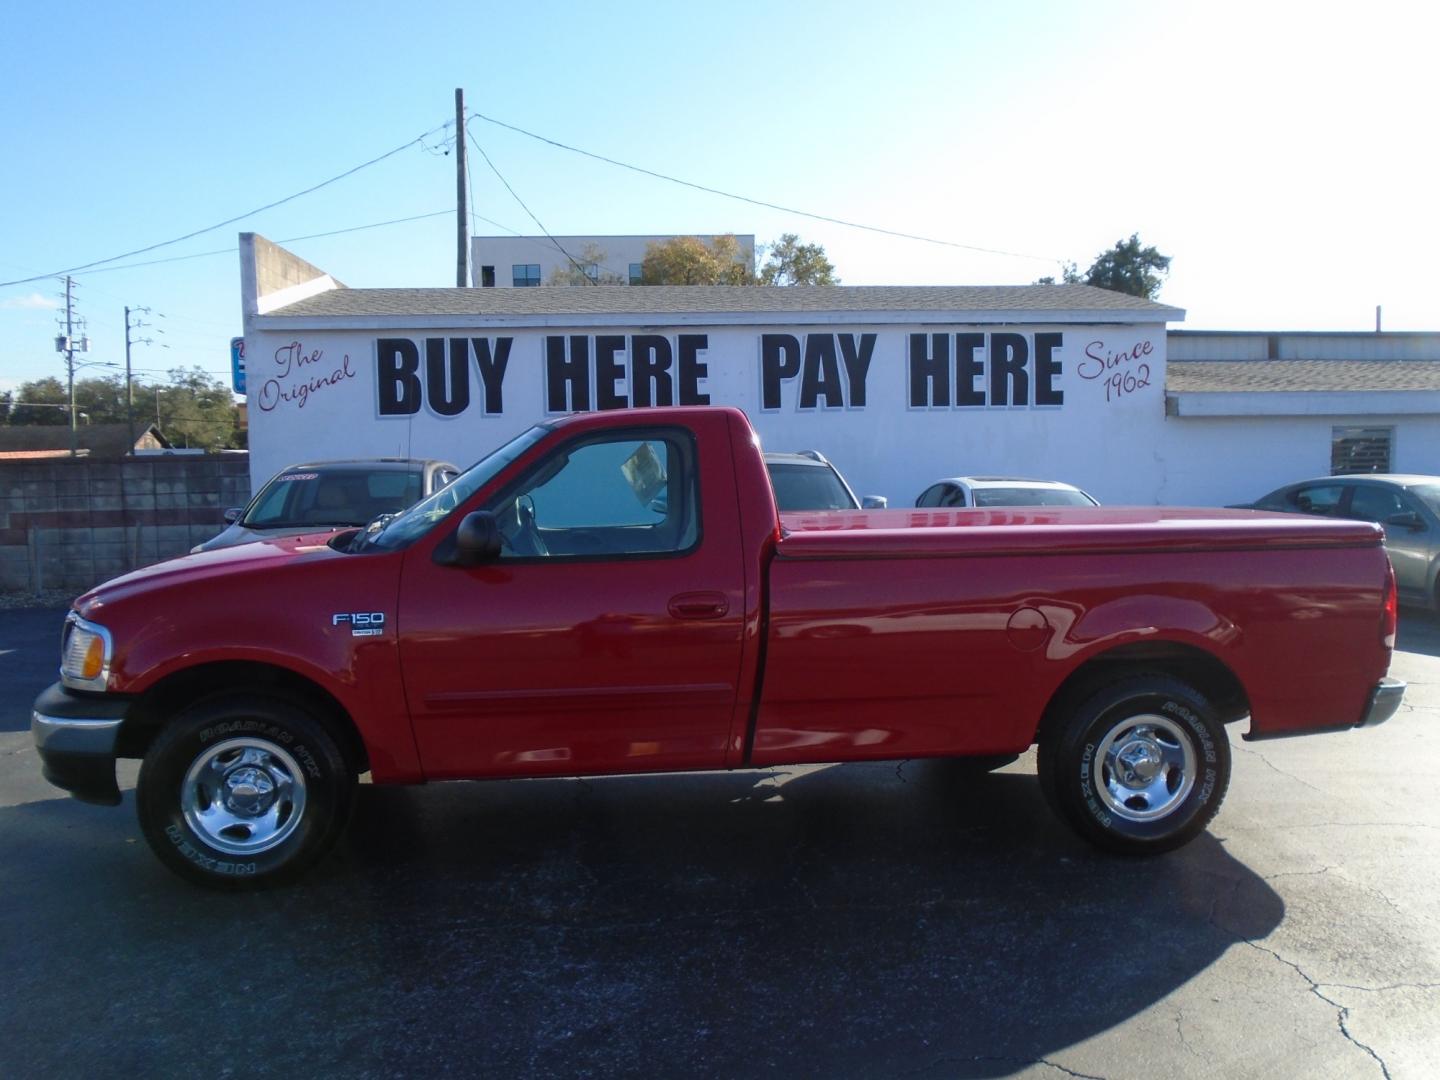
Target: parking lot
(864, 920)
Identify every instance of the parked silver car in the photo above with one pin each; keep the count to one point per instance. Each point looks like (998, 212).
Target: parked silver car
(1407, 506)
(982, 491)
(325, 495)
(807, 481)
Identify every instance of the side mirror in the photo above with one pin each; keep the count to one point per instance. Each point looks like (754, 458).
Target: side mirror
(233, 514)
(1406, 519)
(874, 502)
(478, 539)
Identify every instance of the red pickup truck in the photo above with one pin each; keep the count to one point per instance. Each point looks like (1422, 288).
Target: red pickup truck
(616, 593)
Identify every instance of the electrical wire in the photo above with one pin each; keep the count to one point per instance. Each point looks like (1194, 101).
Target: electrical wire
(287, 240)
(755, 202)
(527, 209)
(237, 217)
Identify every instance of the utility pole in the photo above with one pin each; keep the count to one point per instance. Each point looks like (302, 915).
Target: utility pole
(66, 343)
(130, 386)
(462, 227)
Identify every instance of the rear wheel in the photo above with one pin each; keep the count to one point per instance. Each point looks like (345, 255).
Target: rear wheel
(240, 791)
(1140, 767)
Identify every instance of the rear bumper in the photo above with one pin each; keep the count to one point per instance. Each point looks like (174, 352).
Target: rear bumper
(1384, 702)
(76, 736)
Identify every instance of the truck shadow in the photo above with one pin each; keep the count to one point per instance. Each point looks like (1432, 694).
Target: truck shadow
(855, 920)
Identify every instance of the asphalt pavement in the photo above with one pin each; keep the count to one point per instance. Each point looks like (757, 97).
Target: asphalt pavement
(859, 920)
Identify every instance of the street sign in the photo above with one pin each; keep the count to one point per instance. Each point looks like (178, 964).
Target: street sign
(237, 364)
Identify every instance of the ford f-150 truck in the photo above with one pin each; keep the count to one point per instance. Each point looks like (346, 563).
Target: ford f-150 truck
(616, 593)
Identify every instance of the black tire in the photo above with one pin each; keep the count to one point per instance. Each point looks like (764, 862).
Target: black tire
(230, 759)
(1139, 767)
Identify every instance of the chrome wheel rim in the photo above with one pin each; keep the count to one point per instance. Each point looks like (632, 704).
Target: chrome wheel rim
(243, 796)
(1144, 767)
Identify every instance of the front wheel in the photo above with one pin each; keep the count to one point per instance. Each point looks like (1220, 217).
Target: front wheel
(240, 791)
(1140, 767)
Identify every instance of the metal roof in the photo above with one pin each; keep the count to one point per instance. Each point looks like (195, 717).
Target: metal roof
(645, 302)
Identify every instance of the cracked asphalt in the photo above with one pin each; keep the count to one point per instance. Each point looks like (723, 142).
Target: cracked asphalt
(873, 921)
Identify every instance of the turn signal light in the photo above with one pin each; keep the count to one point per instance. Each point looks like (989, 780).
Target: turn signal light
(94, 660)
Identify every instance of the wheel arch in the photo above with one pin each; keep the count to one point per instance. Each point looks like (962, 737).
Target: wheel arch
(1191, 664)
(180, 689)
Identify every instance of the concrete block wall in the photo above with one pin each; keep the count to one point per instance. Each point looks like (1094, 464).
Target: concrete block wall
(71, 524)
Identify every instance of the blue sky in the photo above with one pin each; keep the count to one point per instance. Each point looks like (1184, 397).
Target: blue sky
(1282, 154)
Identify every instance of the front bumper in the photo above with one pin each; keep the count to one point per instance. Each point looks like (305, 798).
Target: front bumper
(1384, 702)
(76, 736)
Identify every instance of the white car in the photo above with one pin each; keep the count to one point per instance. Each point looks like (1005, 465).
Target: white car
(982, 491)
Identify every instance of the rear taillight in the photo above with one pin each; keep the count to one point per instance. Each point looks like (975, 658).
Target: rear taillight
(1390, 614)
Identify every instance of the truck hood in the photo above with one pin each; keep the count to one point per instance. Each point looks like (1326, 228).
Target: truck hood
(1053, 529)
(263, 557)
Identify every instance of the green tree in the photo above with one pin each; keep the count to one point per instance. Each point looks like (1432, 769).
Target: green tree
(1069, 275)
(193, 409)
(789, 262)
(590, 271)
(1127, 267)
(688, 260)
(196, 409)
(39, 402)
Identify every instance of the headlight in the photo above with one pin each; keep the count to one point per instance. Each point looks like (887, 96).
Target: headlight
(85, 654)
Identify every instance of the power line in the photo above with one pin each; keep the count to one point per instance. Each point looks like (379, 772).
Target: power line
(288, 240)
(237, 217)
(527, 209)
(756, 202)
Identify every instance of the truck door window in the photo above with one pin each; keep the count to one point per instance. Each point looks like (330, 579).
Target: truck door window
(604, 498)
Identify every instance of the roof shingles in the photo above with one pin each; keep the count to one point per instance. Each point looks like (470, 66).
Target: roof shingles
(720, 300)
(1283, 376)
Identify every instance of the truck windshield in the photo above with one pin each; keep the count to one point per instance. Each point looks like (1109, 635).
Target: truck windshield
(396, 532)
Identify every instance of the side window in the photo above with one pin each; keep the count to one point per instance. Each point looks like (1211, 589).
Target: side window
(952, 496)
(931, 496)
(1376, 503)
(1323, 499)
(604, 498)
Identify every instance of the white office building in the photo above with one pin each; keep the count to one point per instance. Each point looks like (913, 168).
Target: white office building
(505, 262)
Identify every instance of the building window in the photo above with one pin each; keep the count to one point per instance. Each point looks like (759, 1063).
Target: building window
(1360, 450)
(525, 274)
(591, 271)
(637, 273)
(487, 277)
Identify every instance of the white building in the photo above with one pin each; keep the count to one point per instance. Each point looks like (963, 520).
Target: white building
(505, 262)
(1250, 411)
(898, 386)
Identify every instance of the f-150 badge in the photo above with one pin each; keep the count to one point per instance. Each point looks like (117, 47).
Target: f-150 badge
(361, 623)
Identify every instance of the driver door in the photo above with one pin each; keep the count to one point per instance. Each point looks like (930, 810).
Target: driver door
(606, 637)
